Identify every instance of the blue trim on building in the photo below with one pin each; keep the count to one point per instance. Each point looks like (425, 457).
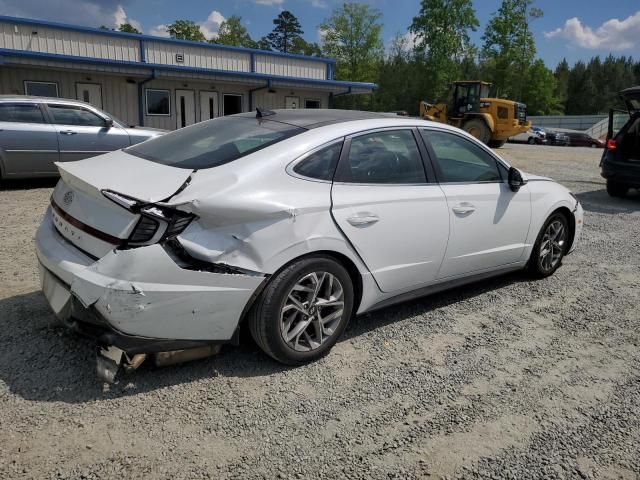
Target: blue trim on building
(176, 68)
(100, 31)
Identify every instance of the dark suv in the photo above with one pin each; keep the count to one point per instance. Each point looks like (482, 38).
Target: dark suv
(621, 159)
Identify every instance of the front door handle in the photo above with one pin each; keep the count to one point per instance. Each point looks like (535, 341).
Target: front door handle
(362, 219)
(464, 208)
(68, 132)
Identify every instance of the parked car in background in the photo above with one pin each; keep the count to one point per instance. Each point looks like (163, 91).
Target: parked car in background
(533, 136)
(285, 222)
(557, 138)
(580, 139)
(36, 132)
(621, 160)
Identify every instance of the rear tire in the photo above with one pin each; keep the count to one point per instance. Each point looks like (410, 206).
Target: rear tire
(497, 143)
(550, 247)
(531, 141)
(616, 189)
(293, 325)
(479, 129)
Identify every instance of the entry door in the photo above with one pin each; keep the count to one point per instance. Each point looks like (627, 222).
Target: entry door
(231, 104)
(90, 93)
(382, 202)
(208, 105)
(185, 108)
(291, 102)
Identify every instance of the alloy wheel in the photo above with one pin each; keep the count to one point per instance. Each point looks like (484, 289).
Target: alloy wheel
(312, 311)
(553, 244)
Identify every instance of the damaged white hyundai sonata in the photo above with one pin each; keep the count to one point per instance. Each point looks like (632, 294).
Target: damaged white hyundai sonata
(287, 222)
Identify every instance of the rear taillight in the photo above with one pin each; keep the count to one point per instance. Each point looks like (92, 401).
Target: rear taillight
(611, 145)
(156, 223)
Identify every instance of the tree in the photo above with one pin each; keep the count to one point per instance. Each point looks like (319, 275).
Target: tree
(232, 32)
(128, 28)
(186, 30)
(441, 31)
(539, 91)
(561, 75)
(287, 29)
(264, 44)
(509, 48)
(302, 47)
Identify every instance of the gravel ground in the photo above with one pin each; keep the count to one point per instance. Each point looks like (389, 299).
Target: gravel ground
(510, 378)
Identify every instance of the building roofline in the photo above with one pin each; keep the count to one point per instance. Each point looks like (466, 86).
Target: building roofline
(177, 68)
(141, 36)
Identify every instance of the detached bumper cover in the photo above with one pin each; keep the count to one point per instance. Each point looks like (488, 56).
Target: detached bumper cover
(141, 292)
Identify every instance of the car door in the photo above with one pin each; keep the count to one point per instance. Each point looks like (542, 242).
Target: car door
(28, 144)
(489, 222)
(83, 133)
(385, 206)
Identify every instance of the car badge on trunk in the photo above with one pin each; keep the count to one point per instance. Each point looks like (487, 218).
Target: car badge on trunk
(68, 198)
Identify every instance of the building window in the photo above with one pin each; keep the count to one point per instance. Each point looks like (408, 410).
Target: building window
(231, 104)
(311, 103)
(41, 89)
(158, 102)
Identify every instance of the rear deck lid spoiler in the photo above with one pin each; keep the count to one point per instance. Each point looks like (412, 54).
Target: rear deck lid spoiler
(126, 174)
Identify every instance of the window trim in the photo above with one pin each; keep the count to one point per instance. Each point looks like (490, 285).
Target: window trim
(41, 82)
(482, 146)
(346, 148)
(290, 167)
(38, 105)
(52, 119)
(146, 102)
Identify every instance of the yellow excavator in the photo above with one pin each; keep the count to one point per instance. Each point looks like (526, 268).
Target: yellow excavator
(490, 120)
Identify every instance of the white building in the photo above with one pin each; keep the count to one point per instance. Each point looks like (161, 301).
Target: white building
(159, 82)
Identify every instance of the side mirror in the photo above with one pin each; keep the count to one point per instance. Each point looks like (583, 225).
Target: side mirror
(516, 179)
(108, 123)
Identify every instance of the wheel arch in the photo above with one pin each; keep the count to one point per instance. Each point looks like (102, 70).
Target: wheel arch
(570, 220)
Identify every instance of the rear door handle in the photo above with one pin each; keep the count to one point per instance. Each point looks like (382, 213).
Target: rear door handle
(362, 219)
(68, 132)
(464, 208)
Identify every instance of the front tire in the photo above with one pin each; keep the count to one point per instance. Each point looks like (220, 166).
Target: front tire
(616, 189)
(479, 129)
(497, 143)
(303, 311)
(531, 141)
(550, 247)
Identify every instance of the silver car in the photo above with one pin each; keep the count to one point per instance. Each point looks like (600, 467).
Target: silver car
(36, 132)
(285, 223)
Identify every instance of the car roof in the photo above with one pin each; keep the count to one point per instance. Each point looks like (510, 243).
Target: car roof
(315, 118)
(33, 98)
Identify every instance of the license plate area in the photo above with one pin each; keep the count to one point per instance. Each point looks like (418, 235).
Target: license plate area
(56, 293)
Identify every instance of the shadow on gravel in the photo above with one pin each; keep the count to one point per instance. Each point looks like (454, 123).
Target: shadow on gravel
(599, 201)
(28, 184)
(41, 360)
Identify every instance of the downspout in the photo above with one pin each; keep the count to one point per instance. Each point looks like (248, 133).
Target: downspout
(141, 98)
(268, 85)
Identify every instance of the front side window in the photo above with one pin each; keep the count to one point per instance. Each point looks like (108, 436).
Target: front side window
(21, 113)
(215, 142)
(158, 102)
(320, 165)
(387, 157)
(459, 160)
(74, 115)
(41, 89)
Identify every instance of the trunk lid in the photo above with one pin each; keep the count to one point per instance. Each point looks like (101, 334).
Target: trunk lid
(631, 98)
(94, 223)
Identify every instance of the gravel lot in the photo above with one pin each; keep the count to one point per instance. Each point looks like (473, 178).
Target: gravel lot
(511, 378)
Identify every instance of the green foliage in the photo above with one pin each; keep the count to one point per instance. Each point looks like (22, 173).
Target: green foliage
(441, 31)
(302, 47)
(285, 33)
(539, 91)
(186, 30)
(233, 33)
(128, 28)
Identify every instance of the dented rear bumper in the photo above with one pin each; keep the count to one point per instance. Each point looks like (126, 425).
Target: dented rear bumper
(141, 298)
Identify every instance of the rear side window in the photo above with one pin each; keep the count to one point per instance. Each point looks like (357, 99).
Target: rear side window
(72, 115)
(320, 165)
(21, 113)
(214, 142)
(459, 160)
(387, 157)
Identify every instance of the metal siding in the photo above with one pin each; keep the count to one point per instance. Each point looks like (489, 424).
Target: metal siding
(62, 42)
(265, 99)
(200, 57)
(291, 67)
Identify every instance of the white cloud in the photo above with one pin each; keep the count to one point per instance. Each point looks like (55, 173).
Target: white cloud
(410, 40)
(614, 34)
(212, 24)
(319, 4)
(269, 3)
(120, 17)
(159, 30)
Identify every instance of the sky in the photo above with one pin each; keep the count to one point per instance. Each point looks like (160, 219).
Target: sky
(571, 29)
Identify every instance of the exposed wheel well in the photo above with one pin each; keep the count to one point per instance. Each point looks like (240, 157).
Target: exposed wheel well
(572, 223)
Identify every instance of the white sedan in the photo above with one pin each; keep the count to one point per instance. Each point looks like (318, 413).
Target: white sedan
(286, 222)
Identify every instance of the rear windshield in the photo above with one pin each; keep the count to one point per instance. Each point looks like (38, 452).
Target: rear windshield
(214, 142)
